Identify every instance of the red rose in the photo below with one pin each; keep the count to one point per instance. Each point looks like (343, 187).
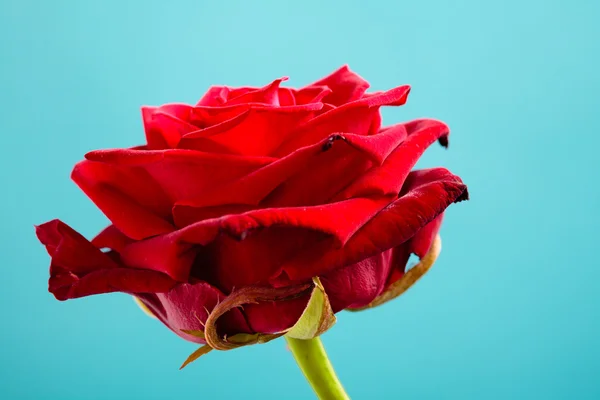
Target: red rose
(247, 198)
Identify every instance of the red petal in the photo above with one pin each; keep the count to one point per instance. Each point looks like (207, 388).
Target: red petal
(237, 263)
(207, 118)
(166, 125)
(111, 238)
(307, 176)
(179, 175)
(346, 86)
(388, 178)
(330, 172)
(230, 263)
(252, 188)
(185, 215)
(218, 95)
(253, 260)
(340, 220)
(266, 95)
(256, 131)
(358, 284)
(286, 97)
(274, 317)
(360, 117)
(186, 307)
(80, 269)
(127, 196)
(425, 195)
(309, 94)
(422, 241)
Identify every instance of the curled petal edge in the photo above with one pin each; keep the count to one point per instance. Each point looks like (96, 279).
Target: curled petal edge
(316, 318)
(408, 279)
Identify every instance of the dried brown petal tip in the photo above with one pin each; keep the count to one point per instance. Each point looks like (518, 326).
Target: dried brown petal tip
(443, 141)
(247, 295)
(463, 196)
(196, 355)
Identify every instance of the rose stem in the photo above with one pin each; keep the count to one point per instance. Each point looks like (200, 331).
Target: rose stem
(312, 360)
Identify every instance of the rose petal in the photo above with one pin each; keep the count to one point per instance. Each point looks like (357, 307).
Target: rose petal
(78, 268)
(310, 233)
(185, 215)
(286, 97)
(218, 95)
(346, 86)
(268, 94)
(165, 125)
(408, 279)
(359, 117)
(209, 118)
(186, 307)
(111, 238)
(141, 157)
(418, 244)
(127, 196)
(388, 178)
(274, 317)
(330, 172)
(309, 94)
(257, 131)
(425, 195)
(178, 175)
(308, 176)
(248, 262)
(232, 262)
(340, 220)
(358, 284)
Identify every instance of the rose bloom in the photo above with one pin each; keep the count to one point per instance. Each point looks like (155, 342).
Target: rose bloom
(253, 197)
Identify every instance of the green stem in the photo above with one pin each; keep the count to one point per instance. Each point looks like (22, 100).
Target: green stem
(312, 360)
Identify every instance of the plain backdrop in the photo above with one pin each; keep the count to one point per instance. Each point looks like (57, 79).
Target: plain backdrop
(509, 311)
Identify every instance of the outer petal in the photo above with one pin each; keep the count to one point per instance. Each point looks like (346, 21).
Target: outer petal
(129, 197)
(275, 317)
(164, 177)
(80, 269)
(424, 196)
(112, 238)
(357, 285)
(418, 244)
(199, 249)
(186, 308)
(340, 220)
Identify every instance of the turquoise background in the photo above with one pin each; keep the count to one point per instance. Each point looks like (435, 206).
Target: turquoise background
(509, 311)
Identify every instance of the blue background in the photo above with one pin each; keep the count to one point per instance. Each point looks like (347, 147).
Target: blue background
(509, 311)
